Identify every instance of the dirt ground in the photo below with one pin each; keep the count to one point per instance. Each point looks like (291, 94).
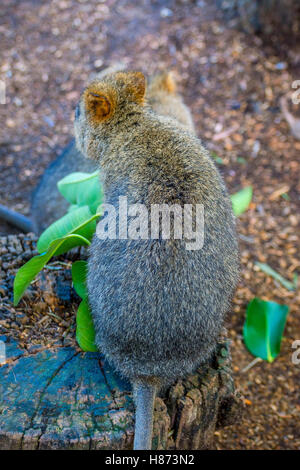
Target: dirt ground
(233, 83)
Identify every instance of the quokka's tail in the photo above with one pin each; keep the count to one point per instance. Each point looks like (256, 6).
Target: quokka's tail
(144, 400)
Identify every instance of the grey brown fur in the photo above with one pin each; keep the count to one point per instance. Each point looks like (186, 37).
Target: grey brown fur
(157, 307)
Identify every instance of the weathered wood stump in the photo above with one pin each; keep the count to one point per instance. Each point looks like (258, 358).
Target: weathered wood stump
(61, 398)
(54, 396)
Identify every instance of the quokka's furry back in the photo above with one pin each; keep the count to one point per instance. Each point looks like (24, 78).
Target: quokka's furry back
(157, 307)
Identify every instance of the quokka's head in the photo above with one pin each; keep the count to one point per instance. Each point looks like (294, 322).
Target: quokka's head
(103, 105)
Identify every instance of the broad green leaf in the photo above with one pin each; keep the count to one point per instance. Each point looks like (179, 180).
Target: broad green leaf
(263, 328)
(82, 189)
(72, 207)
(80, 221)
(241, 200)
(268, 270)
(79, 274)
(27, 273)
(85, 332)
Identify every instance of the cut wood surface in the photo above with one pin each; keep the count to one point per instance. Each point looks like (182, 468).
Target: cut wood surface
(61, 398)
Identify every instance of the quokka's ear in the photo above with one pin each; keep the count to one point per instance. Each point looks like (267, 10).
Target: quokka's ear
(164, 81)
(168, 82)
(134, 84)
(99, 104)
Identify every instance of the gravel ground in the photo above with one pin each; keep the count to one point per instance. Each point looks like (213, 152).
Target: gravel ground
(46, 313)
(233, 84)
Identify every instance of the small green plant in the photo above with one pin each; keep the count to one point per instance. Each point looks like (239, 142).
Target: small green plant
(84, 193)
(76, 228)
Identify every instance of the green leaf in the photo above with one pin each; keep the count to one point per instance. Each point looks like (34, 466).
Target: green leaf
(263, 328)
(85, 332)
(82, 189)
(72, 207)
(268, 270)
(79, 274)
(295, 280)
(217, 159)
(80, 221)
(241, 200)
(27, 273)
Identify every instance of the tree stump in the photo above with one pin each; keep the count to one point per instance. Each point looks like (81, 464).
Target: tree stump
(54, 396)
(61, 398)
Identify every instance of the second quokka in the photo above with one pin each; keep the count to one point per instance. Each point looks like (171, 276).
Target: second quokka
(157, 307)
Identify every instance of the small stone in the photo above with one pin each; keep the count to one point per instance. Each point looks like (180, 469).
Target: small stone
(280, 66)
(17, 101)
(235, 105)
(98, 63)
(3, 291)
(40, 307)
(23, 319)
(10, 123)
(49, 121)
(166, 12)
